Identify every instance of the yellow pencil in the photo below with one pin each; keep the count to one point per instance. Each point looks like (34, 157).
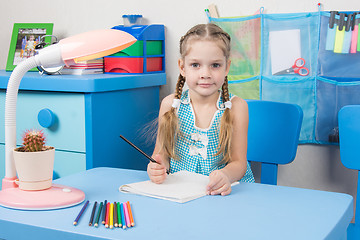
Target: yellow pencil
(111, 215)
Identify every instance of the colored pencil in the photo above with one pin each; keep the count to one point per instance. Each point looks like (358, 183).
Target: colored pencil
(111, 222)
(104, 213)
(119, 214)
(92, 214)
(98, 215)
(107, 220)
(80, 213)
(131, 215)
(127, 218)
(123, 216)
(141, 151)
(115, 215)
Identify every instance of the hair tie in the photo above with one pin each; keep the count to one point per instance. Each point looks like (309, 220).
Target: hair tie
(228, 104)
(176, 103)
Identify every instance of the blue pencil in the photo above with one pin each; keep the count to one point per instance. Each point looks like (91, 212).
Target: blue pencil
(122, 216)
(80, 213)
(104, 213)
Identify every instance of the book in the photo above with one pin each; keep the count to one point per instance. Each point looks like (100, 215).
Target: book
(75, 71)
(94, 66)
(181, 187)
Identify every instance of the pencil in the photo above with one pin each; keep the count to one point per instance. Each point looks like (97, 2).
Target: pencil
(122, 215)
(98, 215)
(141, 151)
(131, 215)
(104, 213)
(115, 215)
(92, 214)
(107, 215)
(111, 212)
(127, 218)
(119, 215)
(80, 213)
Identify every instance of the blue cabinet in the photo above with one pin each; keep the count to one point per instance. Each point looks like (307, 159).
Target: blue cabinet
(84, 116)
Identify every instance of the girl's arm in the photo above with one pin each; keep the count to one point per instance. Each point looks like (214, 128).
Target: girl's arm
(157, 172)
(220, 180)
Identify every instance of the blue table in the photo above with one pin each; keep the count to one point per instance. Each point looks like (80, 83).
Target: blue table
(252, 211)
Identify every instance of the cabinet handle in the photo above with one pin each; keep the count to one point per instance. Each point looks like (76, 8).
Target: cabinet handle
(46, 118)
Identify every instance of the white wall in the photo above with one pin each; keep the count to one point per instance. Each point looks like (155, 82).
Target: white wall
(315, 166)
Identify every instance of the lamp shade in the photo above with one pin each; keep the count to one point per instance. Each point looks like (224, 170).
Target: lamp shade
(94, 44)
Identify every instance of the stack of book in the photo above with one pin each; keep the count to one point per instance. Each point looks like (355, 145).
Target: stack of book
(94, 66)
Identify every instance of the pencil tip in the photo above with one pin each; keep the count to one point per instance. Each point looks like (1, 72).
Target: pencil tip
(74, 223)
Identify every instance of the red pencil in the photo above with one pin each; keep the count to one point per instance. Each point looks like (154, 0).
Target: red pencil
(107, 219)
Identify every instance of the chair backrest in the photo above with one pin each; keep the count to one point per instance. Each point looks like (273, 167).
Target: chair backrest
(349, 140)
(273, 135)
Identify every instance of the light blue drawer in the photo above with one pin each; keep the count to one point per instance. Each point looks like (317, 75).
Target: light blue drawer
(66, 163)
(68, 131)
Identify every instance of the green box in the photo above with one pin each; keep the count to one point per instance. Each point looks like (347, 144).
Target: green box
(153, 47)
(135, 50)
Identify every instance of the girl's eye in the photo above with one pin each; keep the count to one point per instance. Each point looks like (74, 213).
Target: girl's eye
(195, 65)
(216, 65)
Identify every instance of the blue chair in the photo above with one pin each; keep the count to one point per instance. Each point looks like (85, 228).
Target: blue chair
(273, 135)
(349, 135)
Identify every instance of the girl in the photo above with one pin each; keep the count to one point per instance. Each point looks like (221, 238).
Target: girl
(203, 129)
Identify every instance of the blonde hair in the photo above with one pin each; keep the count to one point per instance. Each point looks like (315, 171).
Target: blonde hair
(168, 123)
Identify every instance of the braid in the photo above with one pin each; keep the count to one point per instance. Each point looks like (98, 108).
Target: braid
(168, 126)
(225, 136)
(179, 86)
(225, 90)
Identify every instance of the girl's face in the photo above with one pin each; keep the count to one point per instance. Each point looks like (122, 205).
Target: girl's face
(204, 67)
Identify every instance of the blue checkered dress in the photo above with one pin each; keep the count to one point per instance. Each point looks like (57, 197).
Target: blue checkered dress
(196, 147)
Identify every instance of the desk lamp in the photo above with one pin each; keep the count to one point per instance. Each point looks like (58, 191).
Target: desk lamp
(81, 47)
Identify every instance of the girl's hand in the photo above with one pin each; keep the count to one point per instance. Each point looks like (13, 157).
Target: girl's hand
(157, 171)
(219, 183)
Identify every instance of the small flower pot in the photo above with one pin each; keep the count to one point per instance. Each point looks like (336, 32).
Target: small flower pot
(34, 169)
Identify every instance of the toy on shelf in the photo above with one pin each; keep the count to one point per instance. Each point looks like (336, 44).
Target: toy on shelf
(132, 19)
(147, 55)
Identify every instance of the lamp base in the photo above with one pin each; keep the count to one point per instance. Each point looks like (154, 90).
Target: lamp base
(58, 196)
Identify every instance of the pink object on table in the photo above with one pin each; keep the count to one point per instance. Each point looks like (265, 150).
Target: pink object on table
(58, 196)
(127, 217)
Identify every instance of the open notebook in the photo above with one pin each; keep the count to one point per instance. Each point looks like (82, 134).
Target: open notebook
(181, 187)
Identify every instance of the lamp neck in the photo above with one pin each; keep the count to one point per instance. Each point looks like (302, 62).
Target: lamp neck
(10, 113)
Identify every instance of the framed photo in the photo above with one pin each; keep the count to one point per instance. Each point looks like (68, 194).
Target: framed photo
(25, 37)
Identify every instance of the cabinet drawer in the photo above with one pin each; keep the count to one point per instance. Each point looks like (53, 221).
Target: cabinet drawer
(67, 163)
(68, 130)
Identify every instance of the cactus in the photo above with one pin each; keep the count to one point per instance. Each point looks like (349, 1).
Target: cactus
(33, 141)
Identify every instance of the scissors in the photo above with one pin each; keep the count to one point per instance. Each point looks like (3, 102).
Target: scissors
(298, 68)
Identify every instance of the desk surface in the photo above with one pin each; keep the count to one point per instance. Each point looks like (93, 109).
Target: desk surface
(251, 211)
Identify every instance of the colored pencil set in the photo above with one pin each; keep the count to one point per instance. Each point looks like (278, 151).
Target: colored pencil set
(112, 215)
(343, 35)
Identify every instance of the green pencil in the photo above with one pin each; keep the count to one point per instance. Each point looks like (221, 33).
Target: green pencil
(98, 215)
(119, 215)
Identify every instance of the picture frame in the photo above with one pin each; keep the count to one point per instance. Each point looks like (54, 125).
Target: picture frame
(24, 38)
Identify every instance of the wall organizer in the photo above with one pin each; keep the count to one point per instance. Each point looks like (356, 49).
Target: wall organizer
(264, 44)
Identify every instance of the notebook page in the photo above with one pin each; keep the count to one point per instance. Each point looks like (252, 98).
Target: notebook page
(179, 187)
